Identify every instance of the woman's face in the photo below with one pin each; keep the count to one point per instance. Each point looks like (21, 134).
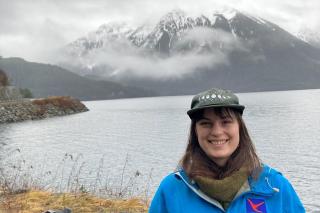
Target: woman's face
(218, 136)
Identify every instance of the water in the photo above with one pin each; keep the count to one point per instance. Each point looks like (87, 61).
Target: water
(149, 135)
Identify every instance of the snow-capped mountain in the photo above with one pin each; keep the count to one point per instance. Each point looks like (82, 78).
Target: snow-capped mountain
(171, 28)
(227, 49)
(106, 36)
(174, 27)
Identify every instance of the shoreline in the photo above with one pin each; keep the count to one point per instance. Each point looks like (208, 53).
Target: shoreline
(26, 109)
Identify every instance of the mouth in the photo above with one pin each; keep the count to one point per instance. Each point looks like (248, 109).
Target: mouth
(218, 142)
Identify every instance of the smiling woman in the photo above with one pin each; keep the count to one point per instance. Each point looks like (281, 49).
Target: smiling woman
(220, 170)
(218, 135)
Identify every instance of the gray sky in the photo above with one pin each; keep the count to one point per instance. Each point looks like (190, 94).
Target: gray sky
(32, 29)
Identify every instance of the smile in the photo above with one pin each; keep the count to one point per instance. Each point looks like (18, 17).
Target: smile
(218, 142)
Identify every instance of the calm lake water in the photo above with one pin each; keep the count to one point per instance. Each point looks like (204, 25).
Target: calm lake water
(118, 139)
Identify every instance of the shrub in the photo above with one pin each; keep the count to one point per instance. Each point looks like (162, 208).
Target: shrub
(62, 102)
(4, 81)
(26, 93)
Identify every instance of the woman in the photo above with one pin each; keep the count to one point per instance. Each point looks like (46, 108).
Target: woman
(220, 170)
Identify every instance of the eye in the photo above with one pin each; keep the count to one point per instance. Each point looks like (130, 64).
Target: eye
(227, 120)
(205, 123)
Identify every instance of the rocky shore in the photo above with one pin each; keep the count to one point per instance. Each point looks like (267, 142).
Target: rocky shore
(21, 110)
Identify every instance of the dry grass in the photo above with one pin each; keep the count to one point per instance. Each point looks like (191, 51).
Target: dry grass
(63, 102)
(21, 191)
(39, 201)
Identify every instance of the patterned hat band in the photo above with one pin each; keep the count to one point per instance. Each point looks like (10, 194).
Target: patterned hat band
(214, 98)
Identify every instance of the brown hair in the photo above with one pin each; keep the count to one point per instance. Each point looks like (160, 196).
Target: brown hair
(196, 162)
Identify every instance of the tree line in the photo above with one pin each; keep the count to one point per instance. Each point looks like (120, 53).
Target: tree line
(4, 82)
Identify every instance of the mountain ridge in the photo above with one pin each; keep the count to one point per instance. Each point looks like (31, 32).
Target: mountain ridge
(237, 51)
(51, 80)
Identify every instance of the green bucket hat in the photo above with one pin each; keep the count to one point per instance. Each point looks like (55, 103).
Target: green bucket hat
(214, 98)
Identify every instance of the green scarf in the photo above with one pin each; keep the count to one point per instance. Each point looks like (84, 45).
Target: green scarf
(225, 189)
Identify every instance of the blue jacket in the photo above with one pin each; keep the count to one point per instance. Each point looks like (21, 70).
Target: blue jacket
(271, 193)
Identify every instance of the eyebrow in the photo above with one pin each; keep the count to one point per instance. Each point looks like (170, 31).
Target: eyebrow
(226, 116)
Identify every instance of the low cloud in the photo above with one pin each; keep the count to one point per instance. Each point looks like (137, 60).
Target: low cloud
(206, 49)
(214, 39)
(161, 68)
(23, 34)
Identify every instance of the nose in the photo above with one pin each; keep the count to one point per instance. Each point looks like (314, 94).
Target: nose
(216, 129)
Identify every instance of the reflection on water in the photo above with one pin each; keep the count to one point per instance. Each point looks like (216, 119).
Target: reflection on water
(152, 133)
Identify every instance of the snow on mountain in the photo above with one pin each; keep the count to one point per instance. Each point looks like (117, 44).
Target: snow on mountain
(108, 36)
(219, 33)
(171, 29)
(309, 36)
(227, 12)
(224, 48)
(138, 36)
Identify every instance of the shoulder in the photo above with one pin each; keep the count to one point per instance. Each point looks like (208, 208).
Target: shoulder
(170, 181)
(271, 181)
(284, 188)
(274, 176)
(279, 183)
(171, 188)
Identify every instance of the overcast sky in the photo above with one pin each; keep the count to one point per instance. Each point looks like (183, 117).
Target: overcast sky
(32, 29)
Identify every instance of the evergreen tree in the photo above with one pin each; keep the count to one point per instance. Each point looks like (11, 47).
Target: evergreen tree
(26, 93)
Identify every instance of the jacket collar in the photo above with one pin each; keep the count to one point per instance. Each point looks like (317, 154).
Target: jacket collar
(260, 186)
(195, 188)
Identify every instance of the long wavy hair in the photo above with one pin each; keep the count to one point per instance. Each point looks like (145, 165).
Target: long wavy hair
(196, 162)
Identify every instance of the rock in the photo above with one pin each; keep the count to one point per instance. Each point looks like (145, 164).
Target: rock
(65, 210)
(9, 93)
(20, 110)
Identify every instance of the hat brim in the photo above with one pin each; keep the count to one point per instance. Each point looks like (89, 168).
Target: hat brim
(237, 107)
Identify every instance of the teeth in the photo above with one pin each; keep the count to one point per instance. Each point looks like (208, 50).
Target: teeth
(218, 142)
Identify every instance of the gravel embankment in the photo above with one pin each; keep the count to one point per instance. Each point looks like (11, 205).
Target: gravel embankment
(21, 110)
